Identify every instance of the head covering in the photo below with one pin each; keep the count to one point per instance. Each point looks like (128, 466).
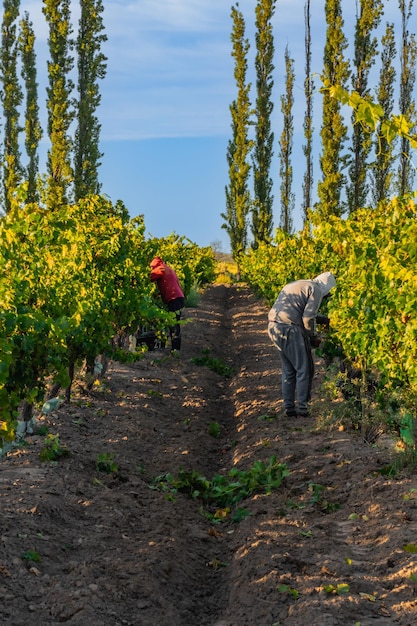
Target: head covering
(326, 281)
(156, 261)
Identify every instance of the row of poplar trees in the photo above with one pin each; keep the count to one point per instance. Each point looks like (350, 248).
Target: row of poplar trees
(75, 66)
(365, 171)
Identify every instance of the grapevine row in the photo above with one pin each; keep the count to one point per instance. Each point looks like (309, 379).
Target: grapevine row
(373, 311)
(71, 280)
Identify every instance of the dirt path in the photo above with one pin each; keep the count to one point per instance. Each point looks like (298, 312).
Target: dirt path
(325, 548)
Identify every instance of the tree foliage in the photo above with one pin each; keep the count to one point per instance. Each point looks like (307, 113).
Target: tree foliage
(365, 51)
(373, 255)
(33, 130)
(333, 129)
(308, 119)
(262, 212)
(286, 141)
(372, 115)
(11, 97)
(59, 102)
(91, 67)
(382, 171)
(238, 198)
(408, 55)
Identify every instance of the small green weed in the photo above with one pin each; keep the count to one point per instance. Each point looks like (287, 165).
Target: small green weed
(409, 495)
(105, 463)
(287, 589)
(341, 590)
(316, 492)
(32, 556)
(213, 363)
(388, 470)
(317, 498)
(411, 548)
(266, 417)
(53, 449)
(214, 429)
(291, 504)
(154, 394)
(240, 514)
(329, 507)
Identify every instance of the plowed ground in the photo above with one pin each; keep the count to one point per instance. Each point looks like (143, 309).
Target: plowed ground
(325, 548)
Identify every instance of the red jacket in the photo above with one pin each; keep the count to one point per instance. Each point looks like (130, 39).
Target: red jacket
(166, 279)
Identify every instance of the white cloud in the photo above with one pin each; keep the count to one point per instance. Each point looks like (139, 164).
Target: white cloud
(170, 70)
(168, 15)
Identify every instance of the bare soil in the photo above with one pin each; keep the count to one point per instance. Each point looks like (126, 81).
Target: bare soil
(326, 548)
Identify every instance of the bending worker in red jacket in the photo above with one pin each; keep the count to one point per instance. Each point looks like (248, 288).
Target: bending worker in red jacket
(171, 293)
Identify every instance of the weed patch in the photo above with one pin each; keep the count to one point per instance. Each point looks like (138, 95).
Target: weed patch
(106, 463)
(53, 450)
(213, 363)
(224, 492)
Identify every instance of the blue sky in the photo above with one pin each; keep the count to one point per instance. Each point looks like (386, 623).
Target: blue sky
(165, 104)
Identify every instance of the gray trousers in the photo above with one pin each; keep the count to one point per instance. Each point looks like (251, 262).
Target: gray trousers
(296, 363)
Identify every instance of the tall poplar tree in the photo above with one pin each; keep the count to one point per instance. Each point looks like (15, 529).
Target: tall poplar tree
(262, 219)
(407, 104)
(91, 68)
(33, 130)
(382, 170)
(333, 131)
(59, 103)
(286, 142)
(11, 98)
(365, 51)
(308, 119)
(238, 199)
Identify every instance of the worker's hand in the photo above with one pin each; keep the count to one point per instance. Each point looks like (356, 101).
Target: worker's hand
(323, 320)
(315, 341)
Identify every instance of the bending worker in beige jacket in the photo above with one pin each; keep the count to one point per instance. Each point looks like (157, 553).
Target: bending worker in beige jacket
(292, 329)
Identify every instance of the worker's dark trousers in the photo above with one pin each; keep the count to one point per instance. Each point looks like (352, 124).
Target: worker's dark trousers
(175, 306)
(296, 363)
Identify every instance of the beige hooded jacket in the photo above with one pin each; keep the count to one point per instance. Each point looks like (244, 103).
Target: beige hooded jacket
(298, 302)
